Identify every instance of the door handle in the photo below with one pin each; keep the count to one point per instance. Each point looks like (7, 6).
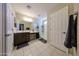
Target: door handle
(64, 32)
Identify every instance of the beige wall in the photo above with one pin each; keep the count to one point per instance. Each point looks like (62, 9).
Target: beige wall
(76, 9)
(62, 5)
(58, 7)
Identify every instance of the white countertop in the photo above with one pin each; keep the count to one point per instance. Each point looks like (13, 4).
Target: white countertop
(25, 31)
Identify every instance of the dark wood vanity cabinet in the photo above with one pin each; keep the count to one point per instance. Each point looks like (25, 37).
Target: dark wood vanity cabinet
(20, 38)
(24, 37)
(34, 36)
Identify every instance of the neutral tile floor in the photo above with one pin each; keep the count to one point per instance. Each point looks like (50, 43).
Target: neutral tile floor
(37, 48)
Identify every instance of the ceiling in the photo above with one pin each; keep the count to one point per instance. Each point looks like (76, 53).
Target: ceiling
(36, 10)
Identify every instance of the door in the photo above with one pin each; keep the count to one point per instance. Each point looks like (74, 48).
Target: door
(45, 29)
(21, 26)
(58, 23)
(9, 29)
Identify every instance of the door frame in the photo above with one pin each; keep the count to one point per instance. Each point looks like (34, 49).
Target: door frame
(3, 28)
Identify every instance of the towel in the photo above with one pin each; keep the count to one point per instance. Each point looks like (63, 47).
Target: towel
(70, 33)
(74, 40)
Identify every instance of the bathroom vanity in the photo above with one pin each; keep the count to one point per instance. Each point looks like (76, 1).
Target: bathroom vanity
(21, 37)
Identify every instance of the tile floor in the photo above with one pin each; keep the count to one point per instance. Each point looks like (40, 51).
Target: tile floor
(37, 48)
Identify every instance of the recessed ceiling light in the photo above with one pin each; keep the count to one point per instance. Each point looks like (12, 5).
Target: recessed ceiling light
(28, 6)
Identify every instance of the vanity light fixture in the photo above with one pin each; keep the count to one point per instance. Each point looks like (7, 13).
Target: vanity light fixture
(28, 19)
